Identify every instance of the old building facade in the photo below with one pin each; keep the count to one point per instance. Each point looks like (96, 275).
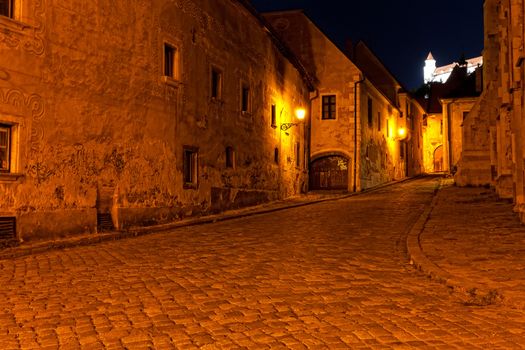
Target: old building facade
(132, 113)
(356, 111)
(493, 131)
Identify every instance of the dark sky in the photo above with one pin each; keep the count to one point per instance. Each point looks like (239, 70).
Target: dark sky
(401, 33)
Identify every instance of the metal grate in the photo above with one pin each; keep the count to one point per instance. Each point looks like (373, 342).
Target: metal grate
(7, 228)
(104, 222)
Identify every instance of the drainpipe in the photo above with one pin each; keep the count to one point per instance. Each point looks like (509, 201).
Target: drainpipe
(309, 136)
(355, 131)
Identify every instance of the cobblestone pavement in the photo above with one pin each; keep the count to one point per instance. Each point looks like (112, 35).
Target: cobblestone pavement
(476, 237)
(329, 275)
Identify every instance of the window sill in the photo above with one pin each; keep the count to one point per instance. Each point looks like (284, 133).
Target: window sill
(7, 23)
(10, 177)
(217, 100)
(190, 186)
(170, 81)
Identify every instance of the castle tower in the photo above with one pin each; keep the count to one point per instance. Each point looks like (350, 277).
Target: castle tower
(429, 69)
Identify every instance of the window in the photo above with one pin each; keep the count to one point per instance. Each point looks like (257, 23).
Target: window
(370, 112)
(170, 61)
(387, 128)
(245, 98)
(230, 157)
(465, 115)
(378, 121)
(6, 8)
(274, 116)
(297, 154)
(276, 155)
(190, 166)
(216, 83)
(401, 150)
(5, 148)
(328, 107)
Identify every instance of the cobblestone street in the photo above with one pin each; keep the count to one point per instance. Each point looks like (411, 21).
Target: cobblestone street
(327, 275)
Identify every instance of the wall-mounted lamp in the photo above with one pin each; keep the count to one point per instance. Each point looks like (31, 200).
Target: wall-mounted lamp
(401, 134)
(300, 114)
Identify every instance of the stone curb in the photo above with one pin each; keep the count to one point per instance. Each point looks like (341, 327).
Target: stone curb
(89, 239)
(471, 293)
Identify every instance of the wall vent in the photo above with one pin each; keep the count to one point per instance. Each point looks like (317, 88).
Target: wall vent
(104, 222)
(7, 228)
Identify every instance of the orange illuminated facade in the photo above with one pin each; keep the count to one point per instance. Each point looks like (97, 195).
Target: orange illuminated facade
(122, 114)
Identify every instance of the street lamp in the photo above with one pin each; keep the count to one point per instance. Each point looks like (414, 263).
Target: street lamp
(300, 114)
(401, 134)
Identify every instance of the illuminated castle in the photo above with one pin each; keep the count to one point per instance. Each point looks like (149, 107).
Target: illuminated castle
(431, 73)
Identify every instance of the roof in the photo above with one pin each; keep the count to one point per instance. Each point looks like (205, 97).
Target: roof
(430, 57)
(281, 46)
(460, 84)
(472, 62)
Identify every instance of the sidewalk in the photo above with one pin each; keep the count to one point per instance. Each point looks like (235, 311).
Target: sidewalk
(42, 246)
(474, 243)
(298, 201)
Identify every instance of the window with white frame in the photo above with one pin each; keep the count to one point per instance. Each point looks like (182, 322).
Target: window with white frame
(5, 148)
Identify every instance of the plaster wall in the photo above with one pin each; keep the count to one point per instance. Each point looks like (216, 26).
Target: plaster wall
(94, 119)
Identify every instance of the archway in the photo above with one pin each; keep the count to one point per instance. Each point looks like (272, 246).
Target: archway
(329, 173)
(438, 159)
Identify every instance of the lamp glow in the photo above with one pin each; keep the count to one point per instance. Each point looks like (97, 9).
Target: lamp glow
(300, 113)
(401, 133)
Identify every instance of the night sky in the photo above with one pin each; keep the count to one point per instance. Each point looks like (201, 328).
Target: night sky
(401, 33)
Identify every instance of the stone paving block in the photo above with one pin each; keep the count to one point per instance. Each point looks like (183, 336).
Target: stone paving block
(310, 277)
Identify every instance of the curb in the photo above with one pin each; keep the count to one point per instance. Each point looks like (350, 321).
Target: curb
(90, 239)
(471, 294)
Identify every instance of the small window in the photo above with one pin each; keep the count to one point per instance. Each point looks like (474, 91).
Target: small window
(465, 115)
(329, 107)
(276, 155)
(297, 154)
(216, 83)
(170, 61)
(388, 128)
(5, 148)
(6, 8)
(245, 98)
(190, 166)
(370, 117)
(378, 121)
(230, 157)
(401, 150)
(274, 116)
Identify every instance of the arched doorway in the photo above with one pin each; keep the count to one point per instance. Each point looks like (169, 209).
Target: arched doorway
(329, 173)
(438, 159)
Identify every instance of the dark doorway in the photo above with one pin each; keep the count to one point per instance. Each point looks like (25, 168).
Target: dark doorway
(329, 173)
(438, 159)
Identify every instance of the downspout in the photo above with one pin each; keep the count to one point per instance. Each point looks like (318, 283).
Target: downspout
(355, 131)
(309, 137)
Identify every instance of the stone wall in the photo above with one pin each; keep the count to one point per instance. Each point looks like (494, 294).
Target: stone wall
(94, 120)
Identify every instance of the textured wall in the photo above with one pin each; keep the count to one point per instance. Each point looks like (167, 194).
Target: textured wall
(97, 123)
